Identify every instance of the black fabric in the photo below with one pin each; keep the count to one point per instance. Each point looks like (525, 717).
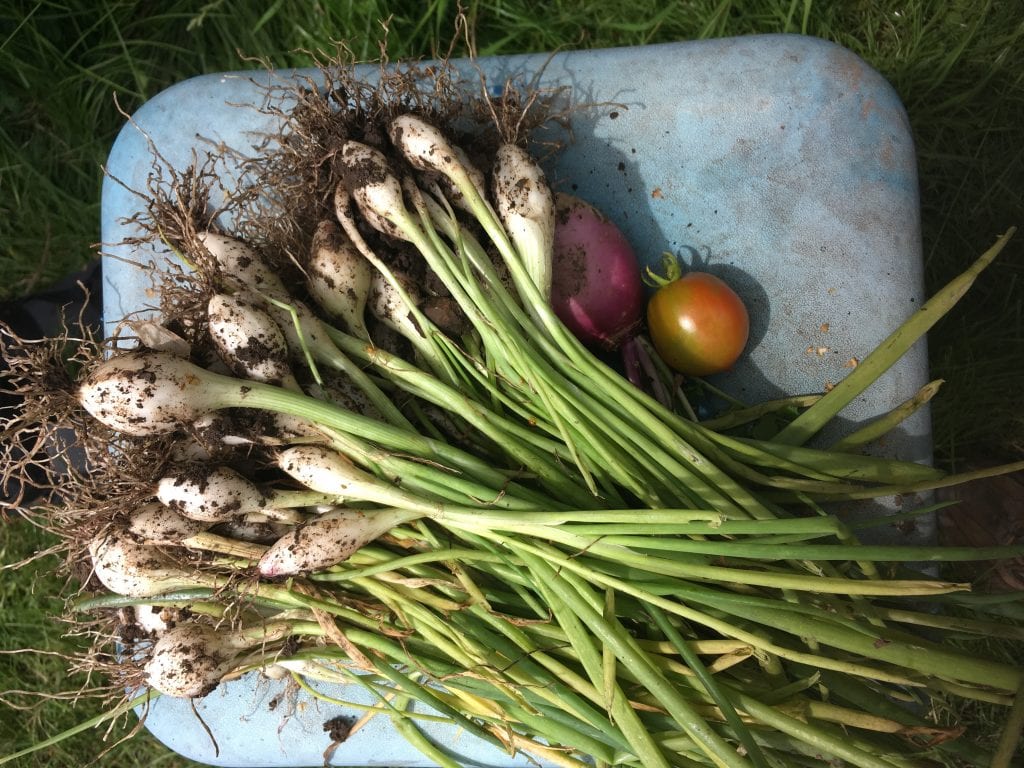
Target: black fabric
(39, 316)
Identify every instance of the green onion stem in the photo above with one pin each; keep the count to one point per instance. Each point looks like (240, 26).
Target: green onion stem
(737, 417)
(888, 421)
(667, 567)
(946, 481)
(483, 656)
(420, 341)
(301, 680)
(257, 395)
(620, 710)
(179, 598)
(866, 697)
(952, 623)
(417, 382)
(407, 729)
(566, 412)
(827, 464)
(539, 456)
(473, 301)
(437, 481)
(739, 549)
(534, 370)
(722, 627)
(918, 655)
(329, 354)
(809, 734)
(427, 696)
(808, 423)
(435, 699)
(559, 733)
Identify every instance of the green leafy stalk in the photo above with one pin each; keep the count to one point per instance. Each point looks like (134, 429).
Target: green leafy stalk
(808, 734)
(888, 421)
(715, 573)
(883, 357)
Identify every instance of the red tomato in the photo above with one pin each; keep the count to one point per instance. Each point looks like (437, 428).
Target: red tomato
(698, 324)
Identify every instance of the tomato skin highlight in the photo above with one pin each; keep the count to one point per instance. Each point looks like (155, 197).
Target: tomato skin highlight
(698, 325)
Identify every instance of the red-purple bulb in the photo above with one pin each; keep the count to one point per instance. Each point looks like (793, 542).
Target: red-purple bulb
(596, 287)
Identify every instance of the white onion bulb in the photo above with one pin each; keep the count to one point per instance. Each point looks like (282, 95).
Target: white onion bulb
(249, 340)
(133, 569)
(148, 393)
(211, 494)
(375, 190)
(387, 305)
(526, 206)
(328, 540)
(156, 524)
(243, 263)
(188, 661)
(339, 277)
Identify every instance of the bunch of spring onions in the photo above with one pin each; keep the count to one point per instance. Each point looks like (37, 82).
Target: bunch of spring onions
(441, 495)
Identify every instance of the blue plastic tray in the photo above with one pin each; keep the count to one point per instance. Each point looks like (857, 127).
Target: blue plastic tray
(783, 163)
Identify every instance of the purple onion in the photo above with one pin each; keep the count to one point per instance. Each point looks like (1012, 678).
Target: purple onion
(596, 288)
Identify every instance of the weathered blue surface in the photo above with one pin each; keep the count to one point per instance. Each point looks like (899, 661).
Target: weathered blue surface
(783, 163)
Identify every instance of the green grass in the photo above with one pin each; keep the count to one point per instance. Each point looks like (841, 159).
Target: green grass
(955, 64)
